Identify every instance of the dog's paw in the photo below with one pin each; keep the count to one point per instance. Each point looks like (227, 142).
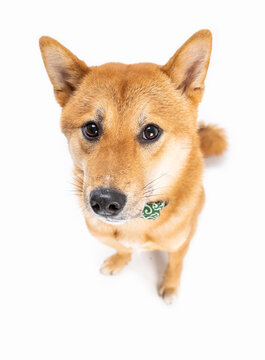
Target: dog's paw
(114, 264)
(169, 294)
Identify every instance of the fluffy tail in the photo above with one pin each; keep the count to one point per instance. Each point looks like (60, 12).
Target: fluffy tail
(212, 139)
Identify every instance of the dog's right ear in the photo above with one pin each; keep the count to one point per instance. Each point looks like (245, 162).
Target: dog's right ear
(65, 70)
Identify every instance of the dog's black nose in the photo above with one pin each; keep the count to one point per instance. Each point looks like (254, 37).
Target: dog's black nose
(105, 201)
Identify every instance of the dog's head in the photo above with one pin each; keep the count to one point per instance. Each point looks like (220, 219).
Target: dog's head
(130, 128)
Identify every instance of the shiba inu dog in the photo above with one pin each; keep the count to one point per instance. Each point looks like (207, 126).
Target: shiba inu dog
(134, 140)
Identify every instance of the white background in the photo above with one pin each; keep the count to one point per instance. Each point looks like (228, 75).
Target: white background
(54, 304)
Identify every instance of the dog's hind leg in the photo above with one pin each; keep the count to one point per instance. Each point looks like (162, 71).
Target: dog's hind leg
(171, 280)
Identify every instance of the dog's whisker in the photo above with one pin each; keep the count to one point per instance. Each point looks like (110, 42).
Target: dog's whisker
(152, 192)
(153, 189)
(152, 195)
(157, 188)
(151, 182)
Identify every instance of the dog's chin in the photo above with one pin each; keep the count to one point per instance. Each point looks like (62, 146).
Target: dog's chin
(113, 221)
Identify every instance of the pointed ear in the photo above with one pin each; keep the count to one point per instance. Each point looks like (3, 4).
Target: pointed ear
(188, 66)
(65, 70)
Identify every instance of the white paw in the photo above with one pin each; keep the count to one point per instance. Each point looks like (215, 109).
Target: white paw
(169, 299)
(114, 264)
(109, 269)
(169, 295)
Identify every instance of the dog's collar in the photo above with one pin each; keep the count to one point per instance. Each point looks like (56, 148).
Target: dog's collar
(152, 210)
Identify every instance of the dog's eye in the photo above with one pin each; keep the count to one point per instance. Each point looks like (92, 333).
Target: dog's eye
(151, 132)
(90, 130)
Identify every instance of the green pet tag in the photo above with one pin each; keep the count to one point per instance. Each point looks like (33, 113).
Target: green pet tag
(151, 211)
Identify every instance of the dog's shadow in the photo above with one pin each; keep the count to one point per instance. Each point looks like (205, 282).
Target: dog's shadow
(214, 161)
(157, 261)
(160, 261)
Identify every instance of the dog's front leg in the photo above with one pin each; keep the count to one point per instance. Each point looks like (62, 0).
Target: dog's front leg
(115, 263)
(171, 280)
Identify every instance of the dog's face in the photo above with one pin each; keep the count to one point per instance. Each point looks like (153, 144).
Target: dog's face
(130, 128)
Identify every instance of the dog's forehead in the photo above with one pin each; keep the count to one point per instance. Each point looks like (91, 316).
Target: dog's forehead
(124, 86)
(123, 82)
(131, 72)
(133, 92)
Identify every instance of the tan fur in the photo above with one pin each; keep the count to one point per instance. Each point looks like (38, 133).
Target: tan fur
(126, 98)
(212, 140)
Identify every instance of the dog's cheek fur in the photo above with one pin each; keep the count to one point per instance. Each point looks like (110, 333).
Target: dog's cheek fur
(165, 170)
(79, 156)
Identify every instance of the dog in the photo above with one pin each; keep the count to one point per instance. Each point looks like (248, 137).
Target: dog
(135, 143)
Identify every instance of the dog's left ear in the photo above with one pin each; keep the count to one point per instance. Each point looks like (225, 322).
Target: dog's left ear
(188, 66)
(65, 70)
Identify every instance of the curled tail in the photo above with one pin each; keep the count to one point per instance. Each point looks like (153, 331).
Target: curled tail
(212, 139)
